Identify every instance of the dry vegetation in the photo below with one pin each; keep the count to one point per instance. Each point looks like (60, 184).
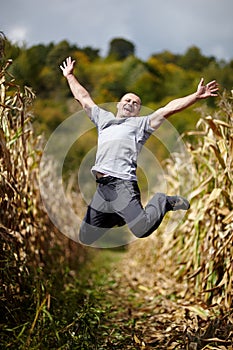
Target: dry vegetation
(32, 249)
(207, 250)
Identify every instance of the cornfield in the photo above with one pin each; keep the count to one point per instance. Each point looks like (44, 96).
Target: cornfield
(207, 250)
(199, 252)
(19, 197)
(31, 247)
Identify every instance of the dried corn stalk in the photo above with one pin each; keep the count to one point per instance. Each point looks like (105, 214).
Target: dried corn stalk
(26, 233)
(206, 248)
(19, 197)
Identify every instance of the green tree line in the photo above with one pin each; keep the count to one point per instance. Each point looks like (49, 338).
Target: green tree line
(163, 75)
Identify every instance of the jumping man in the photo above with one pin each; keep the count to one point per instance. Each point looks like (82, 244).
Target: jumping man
(117, 201)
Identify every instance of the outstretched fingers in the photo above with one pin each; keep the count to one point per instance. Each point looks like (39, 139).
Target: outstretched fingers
(212, 83)
(213, 87)
(209, 89)
(67, 66)
(67, 63)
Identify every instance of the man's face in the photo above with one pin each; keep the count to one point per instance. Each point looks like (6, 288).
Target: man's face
(129, 106)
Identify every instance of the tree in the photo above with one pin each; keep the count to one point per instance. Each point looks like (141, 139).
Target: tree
(194, 60)
(121, 48)
(148, 87)
(166, 57)
(92, 54)
(58, 53)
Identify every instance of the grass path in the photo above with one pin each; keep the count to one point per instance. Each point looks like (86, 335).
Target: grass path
(117, 300)
(135, 315)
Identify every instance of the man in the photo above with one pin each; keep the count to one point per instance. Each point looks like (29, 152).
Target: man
(120, 138)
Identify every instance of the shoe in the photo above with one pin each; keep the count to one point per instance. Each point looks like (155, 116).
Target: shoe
(177, 203)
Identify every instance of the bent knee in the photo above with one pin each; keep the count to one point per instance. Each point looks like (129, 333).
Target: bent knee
(142, 231)
(89, 234)
(85, 236)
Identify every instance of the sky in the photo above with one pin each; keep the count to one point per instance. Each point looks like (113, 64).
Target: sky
(151, 25)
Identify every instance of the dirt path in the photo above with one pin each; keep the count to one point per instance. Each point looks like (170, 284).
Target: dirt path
(145, 312)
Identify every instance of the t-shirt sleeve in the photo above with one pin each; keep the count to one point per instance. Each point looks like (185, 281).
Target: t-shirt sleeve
(156, 122)
(100, 116)
(144, 128)
(95, 111)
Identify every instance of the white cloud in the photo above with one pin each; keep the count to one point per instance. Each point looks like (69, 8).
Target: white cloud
(17, 34)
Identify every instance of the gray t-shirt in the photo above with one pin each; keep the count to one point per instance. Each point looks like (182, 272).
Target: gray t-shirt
(119, 143)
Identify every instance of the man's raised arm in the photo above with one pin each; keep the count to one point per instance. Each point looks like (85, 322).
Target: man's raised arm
(179, 104)
(79, 92)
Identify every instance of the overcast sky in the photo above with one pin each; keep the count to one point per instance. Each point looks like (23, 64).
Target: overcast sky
(151, 25)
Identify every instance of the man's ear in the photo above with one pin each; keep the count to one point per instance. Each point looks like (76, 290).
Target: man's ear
(118, 104)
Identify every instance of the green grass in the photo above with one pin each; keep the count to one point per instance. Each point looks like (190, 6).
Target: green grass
(68, 311)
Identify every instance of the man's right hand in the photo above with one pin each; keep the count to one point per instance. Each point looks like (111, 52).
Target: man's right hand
(67, 67)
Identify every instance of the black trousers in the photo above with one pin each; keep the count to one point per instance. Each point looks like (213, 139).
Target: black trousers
(117, 202)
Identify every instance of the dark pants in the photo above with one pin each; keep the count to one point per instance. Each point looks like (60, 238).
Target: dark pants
(117, 202)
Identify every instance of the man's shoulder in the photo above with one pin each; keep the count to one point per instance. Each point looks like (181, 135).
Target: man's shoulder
(101, 110)
(99, 115)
